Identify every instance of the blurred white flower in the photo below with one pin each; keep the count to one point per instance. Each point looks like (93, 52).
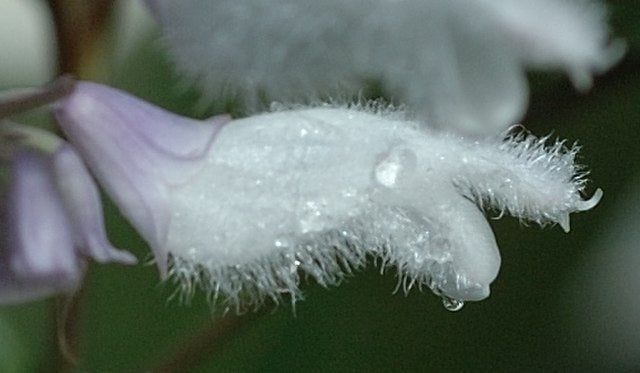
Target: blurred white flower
(27, 39)
(51, 222)
(243, 208)
(459, 64)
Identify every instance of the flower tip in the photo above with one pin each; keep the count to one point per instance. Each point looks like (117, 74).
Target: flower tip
(111, 254)
(591, 202)
(614, 53)
(581, 205)
(582, 76)
(126, 257)
(564, 222)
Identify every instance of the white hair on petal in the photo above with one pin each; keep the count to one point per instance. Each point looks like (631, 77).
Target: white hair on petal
(524, 191)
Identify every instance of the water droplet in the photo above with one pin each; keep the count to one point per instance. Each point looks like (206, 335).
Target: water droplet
(281, 242)
(398, 163)
(452, 304)
(387, 173)
(312, 219)
(192, 252)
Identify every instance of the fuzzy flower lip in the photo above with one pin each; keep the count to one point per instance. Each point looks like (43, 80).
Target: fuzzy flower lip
(268, 197)
(554, 162)
(51, 224)
(459, 65)
(137, 151)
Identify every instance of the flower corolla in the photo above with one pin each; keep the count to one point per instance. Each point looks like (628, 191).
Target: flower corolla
(245, 207)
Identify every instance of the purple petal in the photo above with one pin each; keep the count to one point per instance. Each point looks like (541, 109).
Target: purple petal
(37, 256)
(84, 208)
(137, 151)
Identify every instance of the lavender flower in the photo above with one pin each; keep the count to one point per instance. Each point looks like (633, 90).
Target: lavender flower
(51, 223)
(243, 209)
(459, 64)
(138, 152)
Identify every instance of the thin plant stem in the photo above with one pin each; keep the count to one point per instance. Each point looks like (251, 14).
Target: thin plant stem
(213, 336)
(13, 102)
(67, 329)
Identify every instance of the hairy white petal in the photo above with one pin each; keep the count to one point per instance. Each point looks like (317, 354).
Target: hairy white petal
(459, 64)
(319, 190)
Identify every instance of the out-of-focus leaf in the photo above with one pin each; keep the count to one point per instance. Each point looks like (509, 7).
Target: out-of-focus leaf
(25, 337)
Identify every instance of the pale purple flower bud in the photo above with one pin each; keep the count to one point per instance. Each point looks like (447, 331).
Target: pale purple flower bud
(243, 208)
(38, 256)
(51, 223)
(138, 152)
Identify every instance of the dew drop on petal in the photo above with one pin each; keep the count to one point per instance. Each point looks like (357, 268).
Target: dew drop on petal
(387, 173)
(452, 304)
(396, 164)
(281, 243)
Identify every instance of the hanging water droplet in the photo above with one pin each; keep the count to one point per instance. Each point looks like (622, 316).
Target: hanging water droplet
(452, 304)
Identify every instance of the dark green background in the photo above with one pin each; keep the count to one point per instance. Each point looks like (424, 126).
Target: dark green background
(129, 325)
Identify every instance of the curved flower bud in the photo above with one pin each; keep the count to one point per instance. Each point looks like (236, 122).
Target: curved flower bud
(458, 64)
(318, 190)
(51, 222)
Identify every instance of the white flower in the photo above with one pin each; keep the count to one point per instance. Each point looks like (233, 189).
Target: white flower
(243, 209)
(460, 64)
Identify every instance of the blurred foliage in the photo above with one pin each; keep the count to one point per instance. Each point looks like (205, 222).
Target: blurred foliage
(26, 337)
(129, 325)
